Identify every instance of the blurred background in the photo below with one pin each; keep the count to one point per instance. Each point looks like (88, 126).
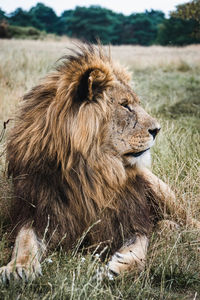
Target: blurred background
(172, 22)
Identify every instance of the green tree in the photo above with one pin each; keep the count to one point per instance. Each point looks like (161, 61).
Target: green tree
(20, 18)
(189, 11)
(2, 15)
(62, 24)
(95, 22)
(175, 31)
(142, 28)
(44, 17)
(91, 23)
(110, 27)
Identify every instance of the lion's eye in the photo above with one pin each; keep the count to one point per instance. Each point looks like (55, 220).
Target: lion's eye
(125, 105)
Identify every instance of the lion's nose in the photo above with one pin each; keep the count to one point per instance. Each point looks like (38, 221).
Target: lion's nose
(154, 132)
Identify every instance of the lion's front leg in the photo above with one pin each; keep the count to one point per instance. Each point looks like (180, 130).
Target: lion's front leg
(26, 256)
(166, 198)
(130, 257)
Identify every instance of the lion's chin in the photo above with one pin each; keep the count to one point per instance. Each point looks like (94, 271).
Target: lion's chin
(137, 154)
(141, 160)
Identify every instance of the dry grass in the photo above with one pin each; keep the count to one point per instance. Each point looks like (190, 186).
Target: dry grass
(158, 57)
(168, 82)
(24, 62)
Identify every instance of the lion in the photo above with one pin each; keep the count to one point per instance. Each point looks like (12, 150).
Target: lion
(78, 155)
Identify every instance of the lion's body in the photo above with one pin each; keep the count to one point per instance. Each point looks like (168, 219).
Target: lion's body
(70, 189)
(76, 155)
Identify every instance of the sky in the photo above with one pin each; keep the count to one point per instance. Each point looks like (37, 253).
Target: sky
(124, 6)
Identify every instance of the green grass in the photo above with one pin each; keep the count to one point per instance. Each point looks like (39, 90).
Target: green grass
(168, 83)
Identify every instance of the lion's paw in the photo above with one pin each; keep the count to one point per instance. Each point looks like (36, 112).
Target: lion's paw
(18, 271)
(117, 263)
(122, 262)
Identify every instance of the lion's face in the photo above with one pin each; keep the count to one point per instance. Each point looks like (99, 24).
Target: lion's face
(107, 119)
(132, 131)
(114, 123)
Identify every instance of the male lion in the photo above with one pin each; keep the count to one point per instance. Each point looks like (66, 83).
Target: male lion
(77, 156)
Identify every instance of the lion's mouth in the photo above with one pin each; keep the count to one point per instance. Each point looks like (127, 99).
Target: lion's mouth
(135, 154)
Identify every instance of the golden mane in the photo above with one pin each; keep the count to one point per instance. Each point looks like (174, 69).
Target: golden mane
(60, 174)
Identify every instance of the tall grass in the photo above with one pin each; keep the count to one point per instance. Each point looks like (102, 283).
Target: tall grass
(168, 83)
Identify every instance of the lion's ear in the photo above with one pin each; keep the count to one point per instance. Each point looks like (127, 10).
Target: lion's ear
(98, 81)
(93, 83)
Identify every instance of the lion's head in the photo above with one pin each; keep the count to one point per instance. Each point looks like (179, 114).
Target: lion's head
(87, 107)
(107, 117)
(77, 136)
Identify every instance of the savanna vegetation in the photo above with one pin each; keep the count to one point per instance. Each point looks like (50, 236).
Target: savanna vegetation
(168, 82)
(90, 23)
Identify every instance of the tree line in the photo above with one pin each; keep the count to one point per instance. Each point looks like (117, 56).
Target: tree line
(95, 22)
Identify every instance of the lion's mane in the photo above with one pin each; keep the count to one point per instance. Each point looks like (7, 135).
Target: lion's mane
(63, 182)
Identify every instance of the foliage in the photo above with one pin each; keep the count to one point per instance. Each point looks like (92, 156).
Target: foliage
(20, 17)
(190, 11)
(43, 17)
(95, 22)
(2, 15)
(40, 16)
(175, 31)
(141, 28)
(92, 23)
(9, 31)
(183, 26)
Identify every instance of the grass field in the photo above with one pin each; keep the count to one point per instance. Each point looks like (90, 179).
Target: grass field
(168, 83)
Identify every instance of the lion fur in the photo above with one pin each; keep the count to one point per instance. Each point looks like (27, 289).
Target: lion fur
(63, 182)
